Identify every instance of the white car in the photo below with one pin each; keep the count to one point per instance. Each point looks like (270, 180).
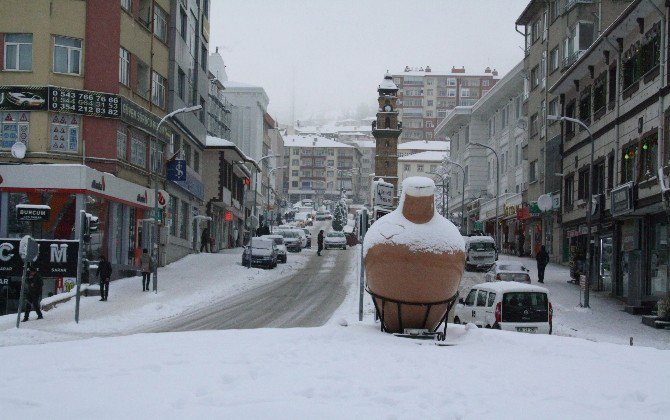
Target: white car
(281, 247)
(480, 252)
(335, 239)
(507, 306)
(508, 271)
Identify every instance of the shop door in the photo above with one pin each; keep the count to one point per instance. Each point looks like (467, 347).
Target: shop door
(606, 260)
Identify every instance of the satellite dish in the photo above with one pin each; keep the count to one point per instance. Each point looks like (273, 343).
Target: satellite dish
(544, 202)
(19, 150)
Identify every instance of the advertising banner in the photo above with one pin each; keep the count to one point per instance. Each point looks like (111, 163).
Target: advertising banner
(28, 98)
(84, 102)
(55, 258)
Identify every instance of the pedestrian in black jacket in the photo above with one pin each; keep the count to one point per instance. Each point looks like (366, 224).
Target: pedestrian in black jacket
(104, 273)
(542, 258)
(319, 242)
(34, 295)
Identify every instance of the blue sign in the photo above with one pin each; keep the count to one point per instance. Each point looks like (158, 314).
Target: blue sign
(192, 184)
(176, 170)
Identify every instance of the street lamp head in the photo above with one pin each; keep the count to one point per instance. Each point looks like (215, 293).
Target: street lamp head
(554, 117)
(191, 108)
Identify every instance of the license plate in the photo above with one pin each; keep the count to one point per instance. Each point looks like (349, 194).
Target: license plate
(531, 330)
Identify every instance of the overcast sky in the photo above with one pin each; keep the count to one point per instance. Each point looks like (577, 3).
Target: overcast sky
(328, 56)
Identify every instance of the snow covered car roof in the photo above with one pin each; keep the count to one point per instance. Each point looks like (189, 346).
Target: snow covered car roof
(504, 286)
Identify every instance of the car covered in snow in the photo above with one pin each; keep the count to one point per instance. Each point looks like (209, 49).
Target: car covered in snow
(507, 306)
(508, 271)
(308, 234)
(261, 251)
(281, 247)
(321, 215)
(292, 239)
(480, 252)
(335, 239)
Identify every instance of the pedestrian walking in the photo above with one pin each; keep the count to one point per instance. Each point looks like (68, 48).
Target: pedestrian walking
(34, 295)
(319, 242)
(204, 240)
(104, 273)
(147, 267)
(522, 240)
(542, 258)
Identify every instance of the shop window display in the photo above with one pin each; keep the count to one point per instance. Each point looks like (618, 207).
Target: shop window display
(61, 223)
(98, 208)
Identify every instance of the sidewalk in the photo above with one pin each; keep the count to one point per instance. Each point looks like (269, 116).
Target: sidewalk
(605, 320)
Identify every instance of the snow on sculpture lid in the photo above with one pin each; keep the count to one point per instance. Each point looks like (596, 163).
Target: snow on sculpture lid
(437, 235)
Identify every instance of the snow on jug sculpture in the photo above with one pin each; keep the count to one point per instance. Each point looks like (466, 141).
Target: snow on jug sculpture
(414, 260)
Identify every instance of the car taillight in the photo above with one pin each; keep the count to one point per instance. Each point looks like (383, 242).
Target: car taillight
(527, 278)
(551, 312)
(498, 311)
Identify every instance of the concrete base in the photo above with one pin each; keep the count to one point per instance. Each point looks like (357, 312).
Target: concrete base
(655, 322)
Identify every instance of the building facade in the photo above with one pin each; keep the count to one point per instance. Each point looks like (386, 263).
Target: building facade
(425, 97)
(618, 88)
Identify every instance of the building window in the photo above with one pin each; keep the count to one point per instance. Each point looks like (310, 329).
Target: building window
(14, 126)
(583, 184)
(534, 129)
(138, 152)
(65, 133)
(203, 57)
(295, 173)
(124, 66)
(419, 168)
(183, 220)
(585, 106)
(127, 5)
(202, 110)
(599, 93)
(160, 23)
(553, 60)
(553, 107)
(19, 52)
(158, 85)
(535, 30)
(433, 168)
(532, 176)
(611, 84)
(570, 112)
(181, 84)
(485, 83)
(196, 162)
(156, 157)
(174, 214)
(407, 167)
(465, 93)
(451, 93)
(648, 156)
(183, 23)
(568, 193)
(144, 13)
(534, 77)
(143, 80)
(67, 55)
(205, 8)
(429, 103)
(121, 142)
(187, 153)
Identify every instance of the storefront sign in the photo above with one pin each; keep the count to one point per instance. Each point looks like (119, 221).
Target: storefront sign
(572, 233)
(193, 184)
(14, 127)
(556, 201)
(622, 199)
(509, 210)
(228, 216)
(55, 258)
(176, 170)
(534, 209)
(162, 198)
(32, 213)
(141, 118)
(523, 213)
(30, 98)
(383, 194)
(84, 102)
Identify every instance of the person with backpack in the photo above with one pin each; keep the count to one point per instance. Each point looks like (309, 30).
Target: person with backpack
(104, 273)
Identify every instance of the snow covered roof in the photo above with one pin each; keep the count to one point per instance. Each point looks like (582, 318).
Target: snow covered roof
(312, 141)
(427, 156)
(424, 145)
(387, 83)
(218, 142)
(369, 144)
(335, 129)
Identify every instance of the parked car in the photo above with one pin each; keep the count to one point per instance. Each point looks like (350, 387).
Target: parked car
(508, 271)
(292, 239)
(480, 252)
(262, 251)
(281, 247)
(309, 237)
(507, 306)
(303, 237)
(321, 215)
(335, 239)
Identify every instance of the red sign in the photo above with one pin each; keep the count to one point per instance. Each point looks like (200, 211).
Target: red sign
(523, 213)
(247, 182)
(228, 217)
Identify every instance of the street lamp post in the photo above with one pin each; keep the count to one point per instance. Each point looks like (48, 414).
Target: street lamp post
(253, 210)
(155, 171)
(443, 176)
(268, 200)
(497, 230)
(463, 227)
(589, 208)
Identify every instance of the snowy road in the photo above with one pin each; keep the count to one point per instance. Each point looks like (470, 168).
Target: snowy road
(306, 299)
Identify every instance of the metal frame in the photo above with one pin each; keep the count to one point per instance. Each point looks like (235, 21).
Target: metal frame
(380, 314)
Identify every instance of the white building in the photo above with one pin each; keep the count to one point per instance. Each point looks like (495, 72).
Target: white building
(250, 104)
(411, 147)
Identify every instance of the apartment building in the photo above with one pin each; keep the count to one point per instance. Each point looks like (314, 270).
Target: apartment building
(495, 121)
(425, 97)
(319, 168)
(418, 146)
(556, 33)
(618, 88)
(84, 86)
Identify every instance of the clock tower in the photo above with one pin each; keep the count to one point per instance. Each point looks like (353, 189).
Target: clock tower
(386, 131)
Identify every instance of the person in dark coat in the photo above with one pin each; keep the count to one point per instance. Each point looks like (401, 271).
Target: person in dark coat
(542, 258)
(34, 295)
(319, 242)
(204, 240)
(146, 265)
(522, 240)
(104, 273)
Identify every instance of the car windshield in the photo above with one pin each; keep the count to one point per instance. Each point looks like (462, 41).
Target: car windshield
(535, 300)
(511, 267)
(335, 235)
(261, 243)
(289, 234)
(482, 246)
(278, 241)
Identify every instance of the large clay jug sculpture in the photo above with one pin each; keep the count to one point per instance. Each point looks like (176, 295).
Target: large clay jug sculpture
(414, 260)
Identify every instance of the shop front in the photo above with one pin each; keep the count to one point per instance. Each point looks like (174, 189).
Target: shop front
(185, 220)
(116, 208)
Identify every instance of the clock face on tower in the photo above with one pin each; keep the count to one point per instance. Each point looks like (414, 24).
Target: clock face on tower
(388, 108)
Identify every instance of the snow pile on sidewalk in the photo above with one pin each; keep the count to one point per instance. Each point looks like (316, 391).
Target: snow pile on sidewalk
(334, 372)
(187, 284)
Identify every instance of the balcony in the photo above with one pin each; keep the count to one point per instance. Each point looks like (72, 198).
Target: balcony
(569, 4)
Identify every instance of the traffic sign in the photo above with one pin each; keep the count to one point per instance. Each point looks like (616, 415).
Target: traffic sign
(176, 170)
(28, 249)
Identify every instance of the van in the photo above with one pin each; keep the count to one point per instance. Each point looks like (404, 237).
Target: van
(506, 306)
(480, 252)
